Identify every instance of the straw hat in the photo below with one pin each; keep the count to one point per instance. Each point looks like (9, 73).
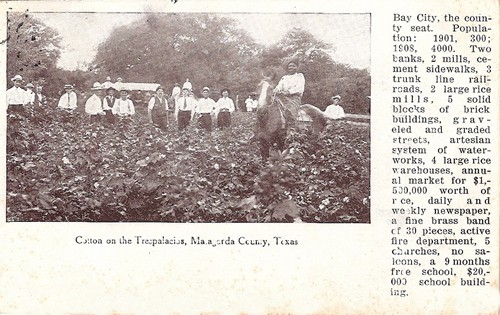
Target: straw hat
(97, 86)
(17, 77)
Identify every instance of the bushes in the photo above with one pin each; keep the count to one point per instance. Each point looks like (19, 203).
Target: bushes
(61, 168)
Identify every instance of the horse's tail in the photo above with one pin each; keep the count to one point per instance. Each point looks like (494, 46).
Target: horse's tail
(319, 119)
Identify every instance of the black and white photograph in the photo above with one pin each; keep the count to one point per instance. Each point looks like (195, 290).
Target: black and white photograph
(188, 117)
(362, 136)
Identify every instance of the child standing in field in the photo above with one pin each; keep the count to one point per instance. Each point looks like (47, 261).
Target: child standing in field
(108, 103)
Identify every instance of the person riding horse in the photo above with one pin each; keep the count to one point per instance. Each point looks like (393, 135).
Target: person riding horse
(289, 92)
(277, 114)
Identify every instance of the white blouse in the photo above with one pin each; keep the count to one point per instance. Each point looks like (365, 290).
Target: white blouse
(291, 83)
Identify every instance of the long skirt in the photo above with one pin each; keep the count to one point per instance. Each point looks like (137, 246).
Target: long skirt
(291, 105)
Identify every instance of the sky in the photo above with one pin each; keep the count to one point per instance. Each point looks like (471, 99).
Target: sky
(349, 33)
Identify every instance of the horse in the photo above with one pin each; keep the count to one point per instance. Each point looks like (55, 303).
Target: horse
(271, 127)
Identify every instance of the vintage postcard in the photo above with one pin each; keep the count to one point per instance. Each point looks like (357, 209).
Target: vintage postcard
(249, 157)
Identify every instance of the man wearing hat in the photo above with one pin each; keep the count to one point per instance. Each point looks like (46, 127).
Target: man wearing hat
(123, 107)
(223, 110)
(16, 96)
(176, 91)
(184, 109)
(30, 94)
(93, 106)
(108, 103)
(335, 111)
(205, 109)
(39, 97)
(158, 109)
(68, 99)
(107, 83)
(187, 85)
(118, 84)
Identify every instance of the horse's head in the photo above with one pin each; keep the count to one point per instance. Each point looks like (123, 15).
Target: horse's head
(265, 92)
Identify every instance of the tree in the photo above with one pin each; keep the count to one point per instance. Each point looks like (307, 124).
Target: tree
(32, 47)
(324, 76)
(354, 86)
(212, 50)
(208, 49)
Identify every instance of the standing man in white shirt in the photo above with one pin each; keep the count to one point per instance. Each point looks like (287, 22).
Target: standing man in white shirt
(123, 107)
(176, 91)
(16, 96)
(187, 85)
(223, 110)
(68, 101)
(93, 106)
(335, 111)
(184, 109)
(205, 110)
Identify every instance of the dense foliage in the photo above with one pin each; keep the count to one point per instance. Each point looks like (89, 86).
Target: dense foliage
(33, 50)
(61, 168)
(212, 50)
(209, 49)
(324, 76)
(32, 47)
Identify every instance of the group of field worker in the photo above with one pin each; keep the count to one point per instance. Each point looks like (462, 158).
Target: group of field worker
(111, 101)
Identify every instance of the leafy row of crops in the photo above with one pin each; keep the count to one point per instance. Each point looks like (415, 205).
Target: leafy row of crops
(62, 168)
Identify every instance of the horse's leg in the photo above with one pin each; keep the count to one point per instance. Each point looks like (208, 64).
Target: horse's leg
(264, 149)
(281, 140)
